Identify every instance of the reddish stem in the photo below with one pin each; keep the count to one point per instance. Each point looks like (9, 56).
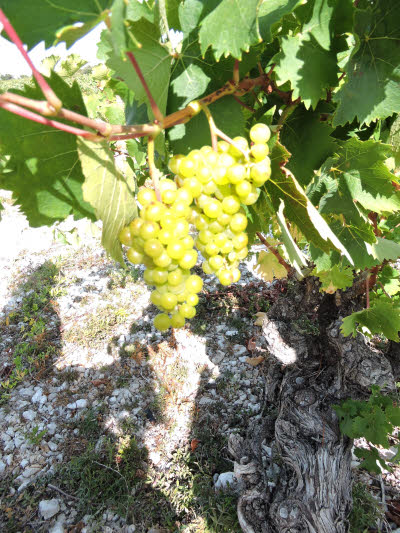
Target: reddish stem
(48, 122)
(236, 73)
(275, 252)
(156, 111)
(53, 100)
(238, 100)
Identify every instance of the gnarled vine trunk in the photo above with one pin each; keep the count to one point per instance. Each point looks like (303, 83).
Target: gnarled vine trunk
(295, 466)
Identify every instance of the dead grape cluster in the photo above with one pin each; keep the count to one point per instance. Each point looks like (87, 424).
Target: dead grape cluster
(208, 192)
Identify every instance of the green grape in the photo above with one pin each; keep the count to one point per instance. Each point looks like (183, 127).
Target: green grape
(155, 298)
(227, 247)
(205, 236)
(252, 197)
(221, 239)
(223, 146)
(206, 267)
(216, 262)
(184, 196)
(194, 283)
(187, 168)
(225, 277)
(148, 276)
(194, 186)
(224, 219)
(177, 320)
(240, 240)
(135, 226)
(192, 299)
(259, 151)
(213, 209)
(125, 236)
(189, 259)
(159, 276)
(260, 133)
(180, 209)
(175, 277)
(169, 300)
(236, 174)
(163, 260)
(201, 222)
(166, 184)
(187, 311)
(210, 188)
(243, 189)
(204, 175)
(134, 256)
(242, 253)
(238, 222)
(231, 205)
(187, 242)
(165, 236)
(261, 172)
(162, 322)
(236, 275)
(181, 229)
(146, 196)
(215, 227)
(240, 142)
(153, 247)
(175, 162)
(176, 250)
(154, 211)
(168, 196)
(212, 249)
(149, 230)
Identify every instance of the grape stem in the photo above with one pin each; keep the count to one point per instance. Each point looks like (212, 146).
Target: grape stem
(153, 172)
(236, 73)
(275, 252)
(211, 123)
(53, 101)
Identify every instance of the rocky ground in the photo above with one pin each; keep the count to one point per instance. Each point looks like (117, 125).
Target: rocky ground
(105, 423)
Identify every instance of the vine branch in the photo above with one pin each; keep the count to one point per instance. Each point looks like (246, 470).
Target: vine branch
(275, 252)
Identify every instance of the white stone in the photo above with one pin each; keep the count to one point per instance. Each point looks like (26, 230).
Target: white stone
(29, 415)
(71, 405)
(52, 445)
(2, 467)
(38, 397)
(49, 508)
(226, 480)
(81, 404)
(57, 528)
(51, 428)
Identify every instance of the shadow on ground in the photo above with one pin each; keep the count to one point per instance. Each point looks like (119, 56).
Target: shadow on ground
(153, 433)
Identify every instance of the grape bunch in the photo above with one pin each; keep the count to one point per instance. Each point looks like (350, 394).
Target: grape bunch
(208, 192)
(220, 181)
(159, 238)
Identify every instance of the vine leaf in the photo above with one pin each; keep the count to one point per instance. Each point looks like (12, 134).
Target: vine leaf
(389, 278)
(37, 21)
(43, 171)
(334, 279)
(109, 191)
(234, 37)
(358, 171)
(381, 318)
(311, 69)
(371, 88)
(384, 249)
(371, 458)
(271, 13)
(296, 257)
(196, 133)
(152, 56)
(268, 267)
(298, 208)
(190, 84)
(309, 142)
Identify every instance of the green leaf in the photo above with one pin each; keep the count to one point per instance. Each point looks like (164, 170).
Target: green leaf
(37, 21)
(393, 414)
(370, 459)
(268, 267)
(228, 117)
(71, 33)
(311, 69)
(109, 191)
(298, 208)
(360, 173)
(371, 88)
(334, 279)
(296, 257)
(382, 318)
(389, 278)
(373, 426)
(190, 12)
(271, 13)
(384, 249)
(152, 57)
(44, 172)
(231, 28)
(70, 65)
(190, 84)
(309, 142)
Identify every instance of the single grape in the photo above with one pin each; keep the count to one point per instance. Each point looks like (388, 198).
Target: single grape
(162, 322)
(125, 236)
(134, 256)
(260, 133)
(238, 222)
(243, 189)
(213, 209)
(194, 283)
(192, 299)
(153, 247)
(189, 259)
(135, 226)
(231, 204)
(176, 250)
(169, 300)
(241, 145)
(259, 151)
(146, 196)
(187, 311)
(177, 320)
(174, 163)
(236, 174)
(149, 230)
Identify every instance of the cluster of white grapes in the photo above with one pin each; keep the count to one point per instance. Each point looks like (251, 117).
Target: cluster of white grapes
(208, 191)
